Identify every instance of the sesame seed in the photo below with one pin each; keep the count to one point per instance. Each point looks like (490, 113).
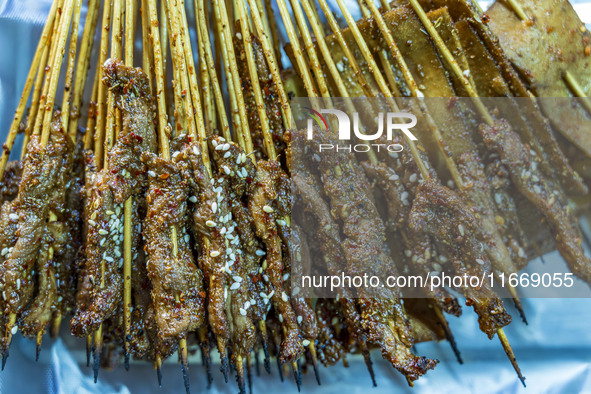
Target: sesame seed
(394, 177)
(281, 222)
(217, 147)
(187, 238)
(226, 146)
(268, 209)
(4, 252)
(227, 154)
(461, 228)
(103, 232)
(306, 342)
(281, 318)
(300, 319)
(235, 286)
(210, 223)
(14, 330)
(193, 199)
(413, 178)
(109, 212)
(215, 253)
(247, 305)
(109, 259)
(237, 278)
(13, 216)
(214, 207)
(226, 170)
(295, 291)
(284, 297)
(242, 312)
(18, 284)
(480, 261)
(151, 173)
(91, 222)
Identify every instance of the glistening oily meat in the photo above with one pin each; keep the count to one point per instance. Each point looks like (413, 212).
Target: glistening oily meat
(548, 198)
(11, 180)
(104, 254)
(41, 190)
(132, 88)
(179, 301)
(384, 322)
(260, 204)
(439, 211)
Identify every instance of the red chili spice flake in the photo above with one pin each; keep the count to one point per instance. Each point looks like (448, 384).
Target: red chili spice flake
(485, 18)
(157, 191)
(164, 176)
(139, 138)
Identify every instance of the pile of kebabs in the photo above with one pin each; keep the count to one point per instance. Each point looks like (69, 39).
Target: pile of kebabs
(161, 221)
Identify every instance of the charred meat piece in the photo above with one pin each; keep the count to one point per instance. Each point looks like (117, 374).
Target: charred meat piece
(11, 180)
(42, 189)
(132, 88)
(177, 294)
(440, 212)
(548, 198)
(104, 251)
(260, 204)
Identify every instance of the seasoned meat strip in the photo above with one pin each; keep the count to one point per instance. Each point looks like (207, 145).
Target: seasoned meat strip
(132, 88)
(42, 189)
(384, 322)
(11, 180)
(38, 314)
(440, 212)
(178, 296)
(208, 221)
(104, 250)
(260, 205)
(548, 198)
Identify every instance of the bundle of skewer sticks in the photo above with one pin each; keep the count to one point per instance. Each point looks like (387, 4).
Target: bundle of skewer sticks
(187, 157)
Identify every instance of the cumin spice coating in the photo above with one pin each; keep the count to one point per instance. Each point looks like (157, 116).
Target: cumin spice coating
(383, 321)
(439, 211)
(42, 189)
(132, 89)
(177, 294)
(104, 254)
(11, 180)
(523, 167)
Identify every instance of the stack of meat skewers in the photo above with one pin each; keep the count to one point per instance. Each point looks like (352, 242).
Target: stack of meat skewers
(162, 220)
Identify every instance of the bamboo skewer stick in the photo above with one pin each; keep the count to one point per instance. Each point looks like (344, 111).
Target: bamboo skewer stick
(273, 32)
(271, 63)
(99, 133)
(82, 66)
(297, 50)
(577, 90)
(127, 222)
(70, 68)
(223, 53)
(20, 110)
(55, 71)
(147, 57)
(92, 112)
(206, 54)
(233, 69)
(256, 87)
(207, 95)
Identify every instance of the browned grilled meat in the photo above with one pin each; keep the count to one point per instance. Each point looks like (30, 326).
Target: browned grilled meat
(132, 87)
(260, 205)
(42, 189)
(383, 322)
(11, 180)
(330, 349)
(440, 212)
(104, 251)
(177, 294)
(548, 198)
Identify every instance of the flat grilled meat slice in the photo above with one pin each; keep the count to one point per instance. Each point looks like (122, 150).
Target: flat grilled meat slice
(11, 180)
(104, 251)
(132, 88)
(364, 230)
(42, 189)
(177, 294)
(440, 212)
(260, 205)
(38, 314)
(548, 198)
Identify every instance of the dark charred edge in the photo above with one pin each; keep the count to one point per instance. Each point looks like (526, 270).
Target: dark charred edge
(4, 358)
(257, 363)
(452, 342)
(224, 358)
(279, 368)
(126, 360)
(264, 339)
(249, 373)
(369, 365)
(159, 375)
(297, 374)
(206, 362)
(89, 350)
(97, 364)
(37, 351)
(314, 359)
(240, 374)
(519, 308)
(185, 369)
